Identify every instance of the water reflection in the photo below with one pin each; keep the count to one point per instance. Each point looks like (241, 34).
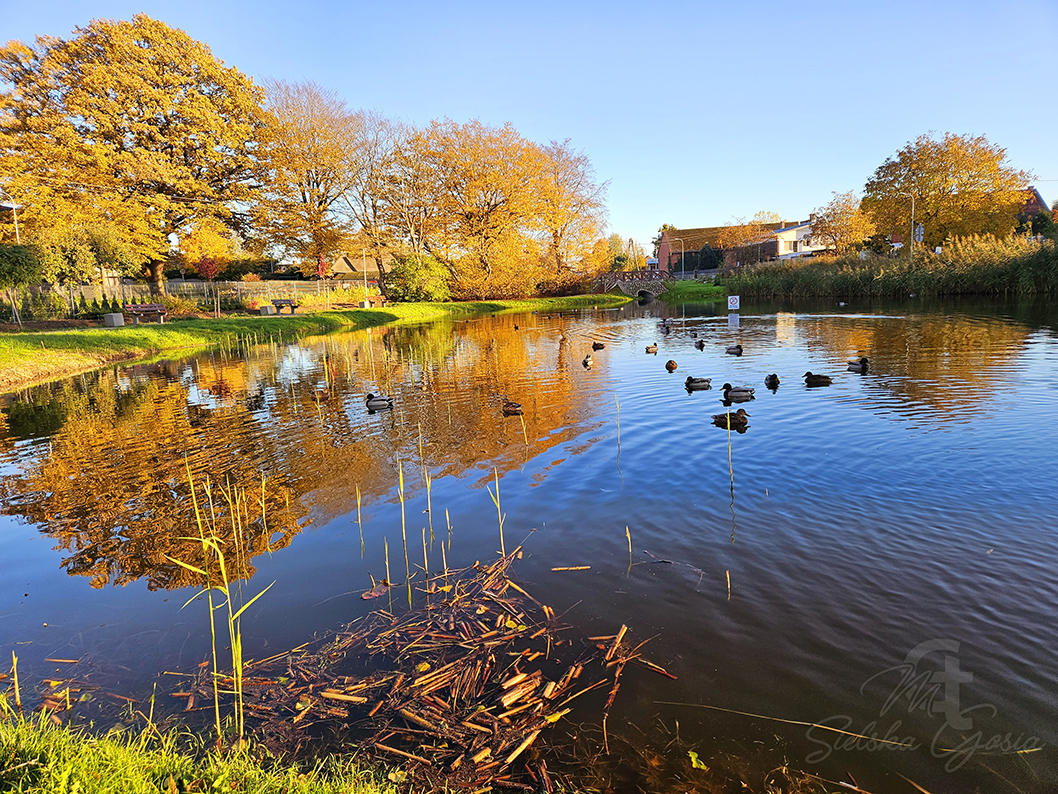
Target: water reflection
(288, 426)
(849, 542)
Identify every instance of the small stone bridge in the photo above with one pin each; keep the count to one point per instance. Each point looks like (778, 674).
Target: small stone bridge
(634, 283)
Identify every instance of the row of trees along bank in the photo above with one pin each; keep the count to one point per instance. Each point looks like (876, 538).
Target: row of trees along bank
(130, 145)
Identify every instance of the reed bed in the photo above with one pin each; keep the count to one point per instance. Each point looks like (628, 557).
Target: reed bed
(967, 266)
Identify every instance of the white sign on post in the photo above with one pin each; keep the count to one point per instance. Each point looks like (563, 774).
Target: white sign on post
(732, 321)
(732, 303)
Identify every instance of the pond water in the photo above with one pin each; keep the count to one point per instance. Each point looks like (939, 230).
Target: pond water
(875, 556)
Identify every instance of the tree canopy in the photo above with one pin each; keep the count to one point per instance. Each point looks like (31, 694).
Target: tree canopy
(132, 124)
(130, 146)
(961, 184)
(840, 224)
(309, 162)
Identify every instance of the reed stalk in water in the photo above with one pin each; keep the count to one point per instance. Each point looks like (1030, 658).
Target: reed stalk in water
(499, 512)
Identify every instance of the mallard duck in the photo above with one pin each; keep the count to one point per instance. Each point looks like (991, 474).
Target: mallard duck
(670, 365)
(700, 344)
(516, 327)
(653, 348)
(698, 384)
(817, 380)
(772, 381)
(737, 393)
(597, 346)
(376, 402)
(738, 419)
(858, 365)
(694, 334)
(587, 362)
(511, 408)
(734, 350)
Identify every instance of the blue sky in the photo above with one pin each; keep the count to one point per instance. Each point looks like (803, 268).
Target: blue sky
(696, 113)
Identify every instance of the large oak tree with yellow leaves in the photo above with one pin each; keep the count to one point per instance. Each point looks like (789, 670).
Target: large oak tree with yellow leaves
(129, 124)
(961, 184)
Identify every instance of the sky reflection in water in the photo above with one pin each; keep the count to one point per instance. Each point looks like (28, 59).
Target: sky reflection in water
(856, 521)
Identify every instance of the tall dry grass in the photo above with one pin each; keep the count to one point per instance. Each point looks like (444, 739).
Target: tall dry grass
(979, 265)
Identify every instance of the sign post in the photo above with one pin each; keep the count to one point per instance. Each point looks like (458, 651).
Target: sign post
(733, 304)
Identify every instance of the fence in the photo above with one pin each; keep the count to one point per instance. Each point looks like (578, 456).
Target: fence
(48, 301)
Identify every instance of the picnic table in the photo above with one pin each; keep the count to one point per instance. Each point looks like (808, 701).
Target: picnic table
(279, 303)
(138, 310)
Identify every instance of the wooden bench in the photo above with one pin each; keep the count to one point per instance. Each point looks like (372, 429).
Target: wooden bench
(279, 303)
(138, 310)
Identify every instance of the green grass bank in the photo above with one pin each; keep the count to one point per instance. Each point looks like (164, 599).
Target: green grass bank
(32, 357)
(690, 291)
(37, 757)
(972, 266)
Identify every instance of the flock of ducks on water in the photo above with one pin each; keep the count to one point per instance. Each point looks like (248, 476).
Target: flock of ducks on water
(739, 420)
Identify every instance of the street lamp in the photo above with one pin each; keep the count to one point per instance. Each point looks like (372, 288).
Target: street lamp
(911, 237)
(683, 267)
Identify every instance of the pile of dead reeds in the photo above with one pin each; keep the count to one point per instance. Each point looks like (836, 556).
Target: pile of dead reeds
(453, 692)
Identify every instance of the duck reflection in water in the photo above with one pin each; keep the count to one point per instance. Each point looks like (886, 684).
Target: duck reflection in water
(738, 421)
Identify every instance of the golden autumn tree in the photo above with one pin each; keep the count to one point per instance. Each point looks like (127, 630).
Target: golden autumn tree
(371, 199)
(841, 223)
(572, 213)
(961, 185)
(131, 124)
(309, 160)
(749, 235)
(482, 184)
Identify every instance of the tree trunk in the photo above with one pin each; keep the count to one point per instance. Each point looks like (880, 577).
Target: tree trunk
(154, 274)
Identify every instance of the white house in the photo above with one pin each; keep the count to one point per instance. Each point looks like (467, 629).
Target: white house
(794, 241)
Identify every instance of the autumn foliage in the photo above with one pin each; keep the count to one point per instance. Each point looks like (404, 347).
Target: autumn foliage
(134, 133)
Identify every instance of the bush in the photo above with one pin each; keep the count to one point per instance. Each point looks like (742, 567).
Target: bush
(175, 306)
(417, 278)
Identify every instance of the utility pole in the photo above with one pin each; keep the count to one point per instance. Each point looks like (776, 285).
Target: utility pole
(911, 237)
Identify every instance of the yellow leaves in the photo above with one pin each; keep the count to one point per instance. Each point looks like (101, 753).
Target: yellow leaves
(961, 185)
(128, 122)
(841, 223)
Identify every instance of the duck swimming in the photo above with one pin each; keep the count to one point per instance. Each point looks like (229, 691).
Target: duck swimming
(858, 365)
(698, 384)
(734, 350)
(587, 362)
(817, 380)
(653, 348)
(511, 408)
(700, 344)
(376, 402)
(738, 419)
(670, 365)
(772, 381)
(597, 346)
(737, 394)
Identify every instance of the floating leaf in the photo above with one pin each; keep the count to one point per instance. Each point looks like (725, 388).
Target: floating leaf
(376, 591)
(422, 668)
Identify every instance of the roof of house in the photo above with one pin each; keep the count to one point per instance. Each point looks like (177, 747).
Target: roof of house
(1034, 201)
(696, 239)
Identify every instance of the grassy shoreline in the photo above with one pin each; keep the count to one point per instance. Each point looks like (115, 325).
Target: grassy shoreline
(690, 291)
(37, 757)
(28, 358)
